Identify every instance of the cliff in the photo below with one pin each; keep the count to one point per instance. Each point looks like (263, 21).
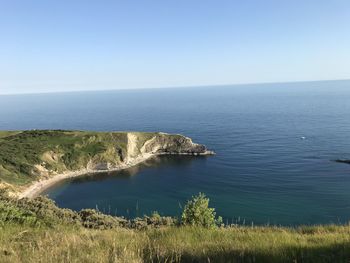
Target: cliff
(27, 156)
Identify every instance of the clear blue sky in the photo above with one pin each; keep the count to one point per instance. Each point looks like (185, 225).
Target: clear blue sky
(84, 45)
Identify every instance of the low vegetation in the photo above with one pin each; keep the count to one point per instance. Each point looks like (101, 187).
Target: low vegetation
(42, 212)
(55, 151)
(38, 231)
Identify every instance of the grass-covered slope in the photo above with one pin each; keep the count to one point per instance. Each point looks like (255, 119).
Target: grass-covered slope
(38, 231)
(28, 155)
(56, 151)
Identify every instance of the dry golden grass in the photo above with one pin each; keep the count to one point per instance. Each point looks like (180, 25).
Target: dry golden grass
(175, 244)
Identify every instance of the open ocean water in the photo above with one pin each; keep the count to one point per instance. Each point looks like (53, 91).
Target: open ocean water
(275, 146)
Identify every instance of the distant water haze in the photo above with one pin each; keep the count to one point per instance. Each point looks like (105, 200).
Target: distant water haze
(275, 146)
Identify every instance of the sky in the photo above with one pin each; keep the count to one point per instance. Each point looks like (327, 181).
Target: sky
(66, 45)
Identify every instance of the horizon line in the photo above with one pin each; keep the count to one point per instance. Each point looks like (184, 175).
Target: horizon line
(171, 87)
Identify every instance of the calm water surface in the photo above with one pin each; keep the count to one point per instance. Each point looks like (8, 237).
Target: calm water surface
(263, 171)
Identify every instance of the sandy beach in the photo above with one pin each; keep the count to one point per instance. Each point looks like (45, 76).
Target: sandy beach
(39, 186)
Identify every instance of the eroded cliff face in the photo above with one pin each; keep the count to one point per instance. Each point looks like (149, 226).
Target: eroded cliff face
(173, 144)
(139, 148)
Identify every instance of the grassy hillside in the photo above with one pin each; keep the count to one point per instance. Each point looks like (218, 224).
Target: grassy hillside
(38, 231)
(26, 156)
(57, 151)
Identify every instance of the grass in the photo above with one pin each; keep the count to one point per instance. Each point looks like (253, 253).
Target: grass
(7, 133)
(57, 151)
(38, 231)
(174, 244)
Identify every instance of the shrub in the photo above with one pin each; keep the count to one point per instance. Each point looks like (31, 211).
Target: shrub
(198, 213)
(42, 211)
(156, 220)
(15, 215)
(37, 211)
(94, 219)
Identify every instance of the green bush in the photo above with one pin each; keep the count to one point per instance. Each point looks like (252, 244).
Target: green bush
(42, 211)
(198, 213)
(92, 218)
(155, 220)
(15, 215)
(37, 211)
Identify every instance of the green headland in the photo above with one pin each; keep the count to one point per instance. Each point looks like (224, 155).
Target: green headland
(46, 156)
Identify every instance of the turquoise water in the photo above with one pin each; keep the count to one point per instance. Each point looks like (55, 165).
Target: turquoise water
(264, 172)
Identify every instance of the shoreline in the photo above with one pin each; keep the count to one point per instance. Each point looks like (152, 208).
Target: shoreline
(38, 187)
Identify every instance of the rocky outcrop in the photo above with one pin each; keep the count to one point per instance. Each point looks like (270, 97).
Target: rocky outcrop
(173, 144)
(343, 161)
(139, 149)
(139, 146)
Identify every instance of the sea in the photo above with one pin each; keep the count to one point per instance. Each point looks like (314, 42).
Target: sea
(276, 146)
